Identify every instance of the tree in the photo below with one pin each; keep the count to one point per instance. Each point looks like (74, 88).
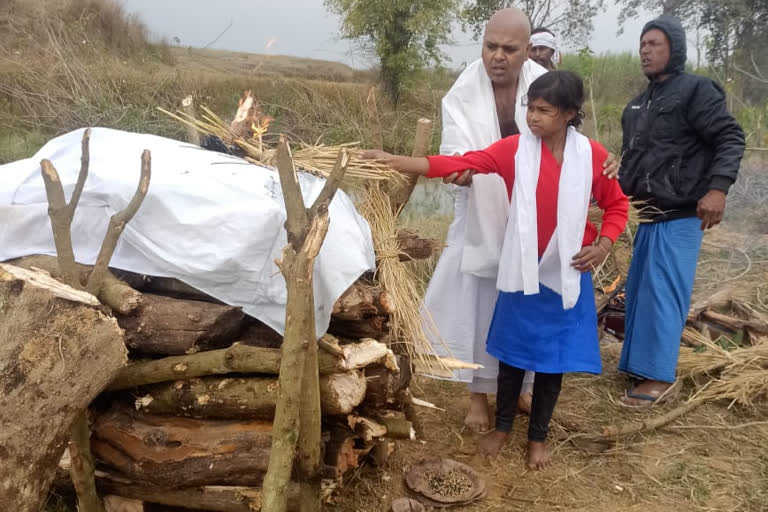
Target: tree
(403, 35)
(571, 19)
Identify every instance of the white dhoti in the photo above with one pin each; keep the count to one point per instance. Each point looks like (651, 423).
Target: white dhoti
(462, 293)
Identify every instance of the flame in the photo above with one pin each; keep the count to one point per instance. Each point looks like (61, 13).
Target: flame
(262, 127)
(271, 42)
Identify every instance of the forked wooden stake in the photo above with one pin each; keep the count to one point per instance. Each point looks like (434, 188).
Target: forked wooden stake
(297, 416)
(61, 214)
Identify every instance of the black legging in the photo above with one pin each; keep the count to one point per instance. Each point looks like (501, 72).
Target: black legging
(546, 389)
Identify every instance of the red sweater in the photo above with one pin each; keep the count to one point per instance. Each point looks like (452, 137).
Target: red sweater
(500, 158)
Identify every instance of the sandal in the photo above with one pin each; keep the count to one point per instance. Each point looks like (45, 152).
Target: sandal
(649, 400)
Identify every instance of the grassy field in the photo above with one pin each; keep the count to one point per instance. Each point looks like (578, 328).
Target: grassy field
(65, 64)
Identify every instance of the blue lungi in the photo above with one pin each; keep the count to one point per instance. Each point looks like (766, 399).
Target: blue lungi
(658, 295)
(534, 332)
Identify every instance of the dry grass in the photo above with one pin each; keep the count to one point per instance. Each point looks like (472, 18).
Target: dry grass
(712, 459)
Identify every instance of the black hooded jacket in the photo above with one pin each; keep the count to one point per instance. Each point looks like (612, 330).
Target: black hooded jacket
(679, 139)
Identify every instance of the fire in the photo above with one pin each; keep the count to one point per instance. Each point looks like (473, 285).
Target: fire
(269, 44)
(262, 127)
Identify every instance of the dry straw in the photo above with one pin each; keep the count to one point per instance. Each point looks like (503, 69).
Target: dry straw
(406, 323)
(316, 159)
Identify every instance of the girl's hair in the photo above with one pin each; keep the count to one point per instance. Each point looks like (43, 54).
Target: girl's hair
(563, 89)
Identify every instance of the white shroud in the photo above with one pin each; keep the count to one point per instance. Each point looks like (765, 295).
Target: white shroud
(211, 220)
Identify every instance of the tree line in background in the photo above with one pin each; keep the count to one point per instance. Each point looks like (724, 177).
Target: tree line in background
(404, 36)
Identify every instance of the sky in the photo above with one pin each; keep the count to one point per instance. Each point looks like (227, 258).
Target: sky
(304, 28)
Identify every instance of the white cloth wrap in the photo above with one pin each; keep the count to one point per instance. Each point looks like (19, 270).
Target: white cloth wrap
(210, 220)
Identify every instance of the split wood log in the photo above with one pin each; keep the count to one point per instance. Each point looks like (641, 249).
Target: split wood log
(208, 498)
(383, 385)
(342, 452)
(116, 294)
(243, 359)
(182, 452)
(299, 387)
(360, 301)
(399, 194)
(167, 326)
(49, 334)
(253, 398)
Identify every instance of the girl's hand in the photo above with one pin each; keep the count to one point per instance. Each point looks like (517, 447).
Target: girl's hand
(376, 154)
(589, 258)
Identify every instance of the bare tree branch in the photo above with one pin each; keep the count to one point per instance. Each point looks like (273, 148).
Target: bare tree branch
(117, 224)
(320, 206)
(297, 219)
(62, 213)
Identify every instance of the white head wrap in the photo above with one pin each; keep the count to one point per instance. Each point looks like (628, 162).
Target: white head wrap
(548, 40)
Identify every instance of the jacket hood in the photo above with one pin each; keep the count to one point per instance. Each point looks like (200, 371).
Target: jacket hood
(673, 28)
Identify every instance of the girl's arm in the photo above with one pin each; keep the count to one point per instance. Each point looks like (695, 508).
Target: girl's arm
(497, 158)
(406, 164)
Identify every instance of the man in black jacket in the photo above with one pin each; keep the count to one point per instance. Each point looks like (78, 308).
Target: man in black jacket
(681, 153)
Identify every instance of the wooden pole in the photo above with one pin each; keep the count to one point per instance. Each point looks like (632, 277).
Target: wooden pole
(61, 214)
(82, 467)
(306, 230)
(188, 107)
(399, 194)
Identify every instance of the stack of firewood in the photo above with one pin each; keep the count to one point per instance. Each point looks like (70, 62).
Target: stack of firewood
(193, 410)
(189, 420)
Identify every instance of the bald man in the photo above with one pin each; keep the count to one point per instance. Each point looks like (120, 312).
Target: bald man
(483, 106)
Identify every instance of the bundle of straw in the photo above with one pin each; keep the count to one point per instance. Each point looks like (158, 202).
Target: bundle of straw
(316, 159)
(406, 323)
(739, 375)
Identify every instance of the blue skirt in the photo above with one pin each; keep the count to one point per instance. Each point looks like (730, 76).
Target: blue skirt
(534, 332)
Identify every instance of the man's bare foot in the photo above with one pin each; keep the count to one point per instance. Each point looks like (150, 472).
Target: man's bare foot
(538, 456)
(524, 403)
(491, 445)
(646, 393)
(478, 416)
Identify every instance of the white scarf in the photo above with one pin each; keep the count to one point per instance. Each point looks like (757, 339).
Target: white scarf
(549, 41)
(520, 269)
(470, 122)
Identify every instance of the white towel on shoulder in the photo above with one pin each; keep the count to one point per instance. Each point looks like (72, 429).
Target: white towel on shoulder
(470, 121)
(521, 269)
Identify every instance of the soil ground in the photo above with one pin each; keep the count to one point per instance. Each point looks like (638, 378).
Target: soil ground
(715, 458)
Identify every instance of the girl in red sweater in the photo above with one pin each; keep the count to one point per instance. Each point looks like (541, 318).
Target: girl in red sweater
(545, 318)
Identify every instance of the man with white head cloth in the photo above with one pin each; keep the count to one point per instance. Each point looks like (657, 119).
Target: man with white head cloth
(544, 49)
(483, 106)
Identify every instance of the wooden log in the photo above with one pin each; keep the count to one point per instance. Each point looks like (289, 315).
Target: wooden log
(384, 385)
(167, 326)
(116, 294)
(397, 427)
(255, 397)
(49, 333)
(207, 498)
(413, 247)
(167, 286)
(735, 324)
(360, 301)
(299, 389)
(243, 359)
(181, 452)
(376, 327)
